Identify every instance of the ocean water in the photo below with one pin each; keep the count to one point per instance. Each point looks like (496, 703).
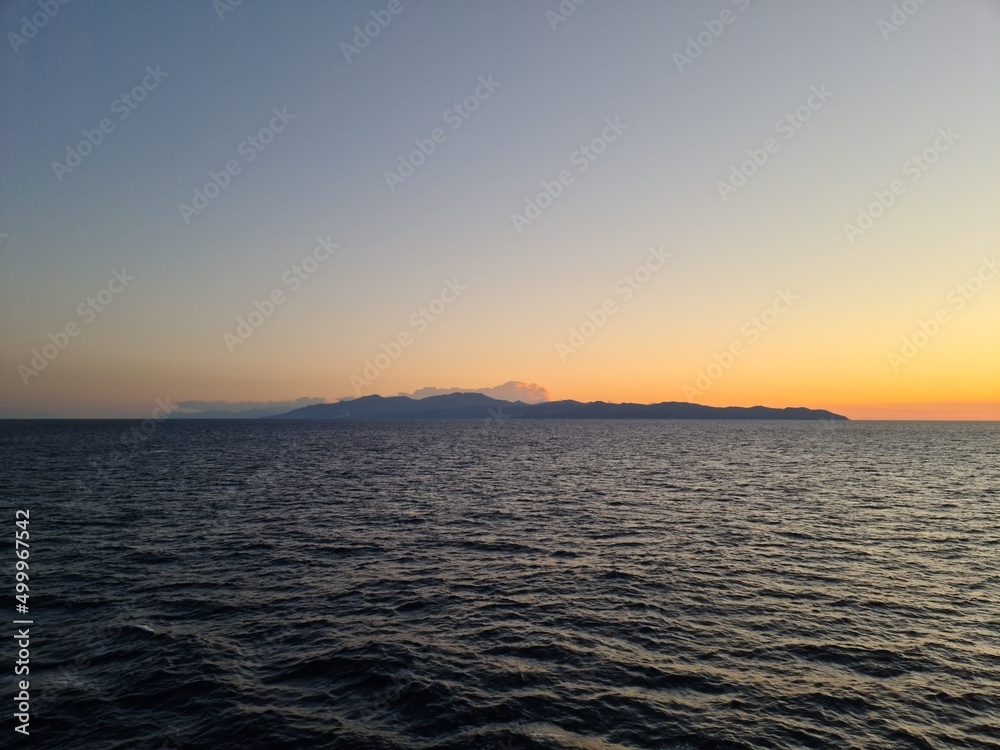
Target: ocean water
(505, 584)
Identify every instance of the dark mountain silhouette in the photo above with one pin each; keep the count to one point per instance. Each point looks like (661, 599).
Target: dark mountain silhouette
(480, 406)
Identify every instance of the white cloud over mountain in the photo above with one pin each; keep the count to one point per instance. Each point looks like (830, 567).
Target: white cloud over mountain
(513, 390)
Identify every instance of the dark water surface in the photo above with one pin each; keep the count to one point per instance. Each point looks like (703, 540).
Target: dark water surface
(668, 584)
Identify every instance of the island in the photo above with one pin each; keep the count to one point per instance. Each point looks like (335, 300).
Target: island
(479, 406)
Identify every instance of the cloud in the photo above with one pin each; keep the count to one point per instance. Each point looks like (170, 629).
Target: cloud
(513, 390)
(190, 406)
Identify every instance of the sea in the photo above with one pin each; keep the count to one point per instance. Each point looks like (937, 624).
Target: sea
(503, 584)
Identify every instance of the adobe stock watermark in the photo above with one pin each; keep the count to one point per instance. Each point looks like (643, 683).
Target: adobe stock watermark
(563, 11)
(455, 116)
(494, 421)
(957, 298)
(88, 309)
(387, 698)
(271, 646)
(915, 168)
(786, 127)
(901, 13)
(714, 27)
(123, 106)
(294, 277)
(751, 331)
(47, 10)
(581, 158)
(624, 289)
(222, 7)
(250, 148)
(420, 319)
(490, 427)
(134, 437)
(363, 35)
(833, 424)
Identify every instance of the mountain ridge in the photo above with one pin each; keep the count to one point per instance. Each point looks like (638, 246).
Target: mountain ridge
(480, 406)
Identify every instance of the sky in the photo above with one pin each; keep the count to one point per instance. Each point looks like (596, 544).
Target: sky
(727, 202)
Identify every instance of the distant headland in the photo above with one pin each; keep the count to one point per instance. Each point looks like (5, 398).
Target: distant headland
(479, 406)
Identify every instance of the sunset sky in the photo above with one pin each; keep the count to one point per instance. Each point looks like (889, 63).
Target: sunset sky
(679, 287)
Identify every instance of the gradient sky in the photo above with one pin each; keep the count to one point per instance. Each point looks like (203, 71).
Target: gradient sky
(654, 186)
